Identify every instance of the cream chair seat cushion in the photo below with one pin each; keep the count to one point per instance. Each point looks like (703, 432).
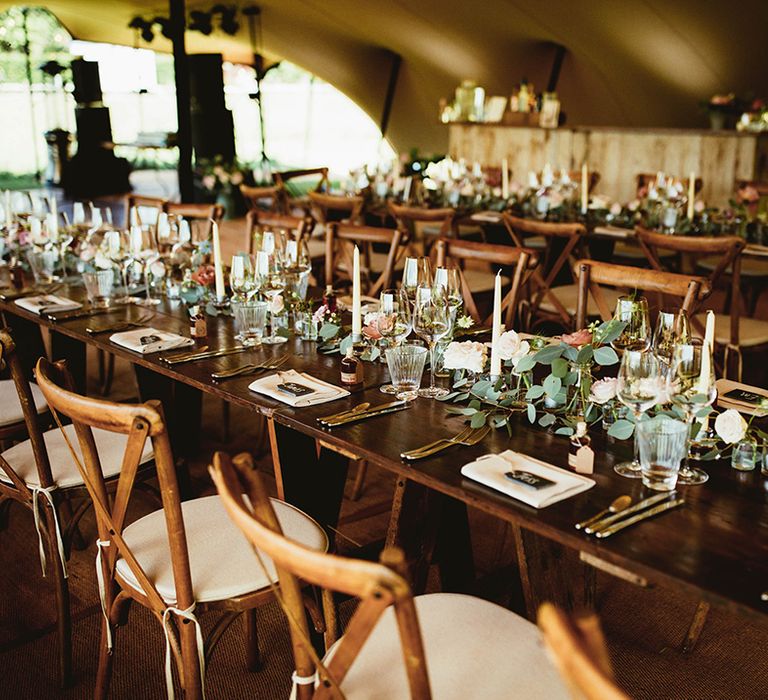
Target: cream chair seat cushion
(10, 406)
(473, 648)
(750, 267)
(222, 562)
(632, 250)
(111, 447)
(752, 331)
(568, 296)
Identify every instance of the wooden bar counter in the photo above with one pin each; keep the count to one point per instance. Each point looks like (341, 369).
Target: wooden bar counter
(619, 154)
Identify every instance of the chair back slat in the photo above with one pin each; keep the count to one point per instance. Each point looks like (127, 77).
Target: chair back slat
(196, 213)
(522, 261)
(138, 422)
(267, 198)
(328, 207)
(340, 240)
(378, 585)
(592, 274)
(256, 222)
(579, 652)
(407, 218)
(142, 202)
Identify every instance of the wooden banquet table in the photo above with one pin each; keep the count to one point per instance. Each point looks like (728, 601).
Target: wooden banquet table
(714, 549)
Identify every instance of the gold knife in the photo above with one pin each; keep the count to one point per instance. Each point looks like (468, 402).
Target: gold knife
(640, 516)
(343, 414)
(203, 355)
(378, 411)
(642, 505)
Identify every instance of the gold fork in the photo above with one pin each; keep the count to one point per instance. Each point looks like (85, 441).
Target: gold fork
(471, 438)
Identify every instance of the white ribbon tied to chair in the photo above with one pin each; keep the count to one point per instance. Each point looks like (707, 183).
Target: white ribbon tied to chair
(100, 544)
(187, 614)
(46, 492)
(304, 680)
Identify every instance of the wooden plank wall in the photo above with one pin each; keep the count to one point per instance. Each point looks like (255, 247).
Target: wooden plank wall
(720, 158)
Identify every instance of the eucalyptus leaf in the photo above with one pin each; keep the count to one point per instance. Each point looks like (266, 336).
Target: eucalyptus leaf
(585, 355)
(478, 420)
(535, 392)
(704, 412)
(345, 344)
(606, 356)
(328, 331)
(564, 431)
(547, 419)
(449, 396)
(571, 353)
(525, 363)
(559, 367)
(531, 410)
(621, 429)
(547, 354)
(552, 386)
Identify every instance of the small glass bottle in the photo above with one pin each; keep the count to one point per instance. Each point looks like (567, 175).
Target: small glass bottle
(198, 326)
(351, 370)
(17, 274)
(329, 299)
(190, 291)
(581, 457)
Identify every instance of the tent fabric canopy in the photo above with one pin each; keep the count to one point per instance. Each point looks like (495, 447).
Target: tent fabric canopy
(639, 63)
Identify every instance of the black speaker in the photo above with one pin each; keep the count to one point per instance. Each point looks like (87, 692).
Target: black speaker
(94, 127)
(213, 132)
(85, 75)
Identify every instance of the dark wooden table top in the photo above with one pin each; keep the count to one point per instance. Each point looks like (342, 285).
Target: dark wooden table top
(715, 547)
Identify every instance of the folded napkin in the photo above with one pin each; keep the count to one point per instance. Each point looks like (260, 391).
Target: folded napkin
(146, 340)
(491, 217)
(48, 303)
(743, 397)
(321, 391)
(489, 470)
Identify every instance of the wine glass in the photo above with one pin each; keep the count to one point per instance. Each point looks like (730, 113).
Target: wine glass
(297, 264)
(119, 252)
(691, 387)
(431, 321)
(449, 280)
(241, 276)
(395, 322)
(145, 254)
(633, 311)
(638, 387)
(270, 278)
(416, 273)
(671, 328)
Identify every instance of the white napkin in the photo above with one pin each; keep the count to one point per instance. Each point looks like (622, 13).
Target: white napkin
(48, 302)
(490, 469)
(132, 340)
(322, 391)
(726, 386)
(491, 217)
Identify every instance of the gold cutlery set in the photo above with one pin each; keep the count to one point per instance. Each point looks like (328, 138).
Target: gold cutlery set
(467, 437)
(362, 412)
(614, 518)
(243, 370)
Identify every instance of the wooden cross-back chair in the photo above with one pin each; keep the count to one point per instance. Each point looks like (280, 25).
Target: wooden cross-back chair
(385, 648)
(294, 195)
(340, 240)
(179, 561)
(200, 214)
(725, 255)
(141, 201)
(521, 260)
(560, 242)
(256, 222)
(267, 198)
(593, 274)
(577, 647)
(326, 208)
(40, 474)
(408, 217)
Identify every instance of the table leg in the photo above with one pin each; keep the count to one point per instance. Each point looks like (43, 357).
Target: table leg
(73, 351)
(308, 477)
(28, 339)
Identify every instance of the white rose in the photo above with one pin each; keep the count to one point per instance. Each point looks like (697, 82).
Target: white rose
(101, 261)
(157, 269)
(555, 200)
(277, 305)
(599, 201)
(372, 319)
(615, 209)
(730, 426)
(603, 390)
(511, 347)
(468, 355)
(634, 205)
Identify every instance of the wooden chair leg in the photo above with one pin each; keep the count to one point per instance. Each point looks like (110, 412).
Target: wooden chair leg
(63, 615)
(696, 626)
(106, 372)
(357, 487)
(104, 671)
(225, 414)
(5, 510)
(254, 661)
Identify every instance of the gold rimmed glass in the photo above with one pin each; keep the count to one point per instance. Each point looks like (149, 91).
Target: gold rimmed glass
(633, 311)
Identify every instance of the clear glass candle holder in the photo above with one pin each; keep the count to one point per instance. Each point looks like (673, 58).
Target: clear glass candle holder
(250, 320)
(99, 287)
(43, 265)
(746, 456)
(406, 365)
(662, 444)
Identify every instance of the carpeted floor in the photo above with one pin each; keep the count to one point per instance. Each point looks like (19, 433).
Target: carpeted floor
(644, 627)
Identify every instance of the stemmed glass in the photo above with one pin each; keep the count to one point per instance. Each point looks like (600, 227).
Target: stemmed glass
(633, 311)
(241, 276)
(448, 280)
(395, 322)
(431, 321)
(119, 252)
(691, 387)
(297, 264)
(672, 328)
(270, 278)
(638, 387)
(416, 273)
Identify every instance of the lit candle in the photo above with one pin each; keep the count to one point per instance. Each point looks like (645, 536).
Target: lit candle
(137, 239)
(357, 326)
(547, 176)
(496, 334)
(163, 226)
(292, 252)
(185, 234)
(113, 242)
(691, 194)
(219, 270)
(134, 217)
(584, 188)
(53, 219)
(268, 242)
(78, 213)
(504, 178)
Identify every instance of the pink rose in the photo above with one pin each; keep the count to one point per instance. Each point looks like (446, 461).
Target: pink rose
(577, 339)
